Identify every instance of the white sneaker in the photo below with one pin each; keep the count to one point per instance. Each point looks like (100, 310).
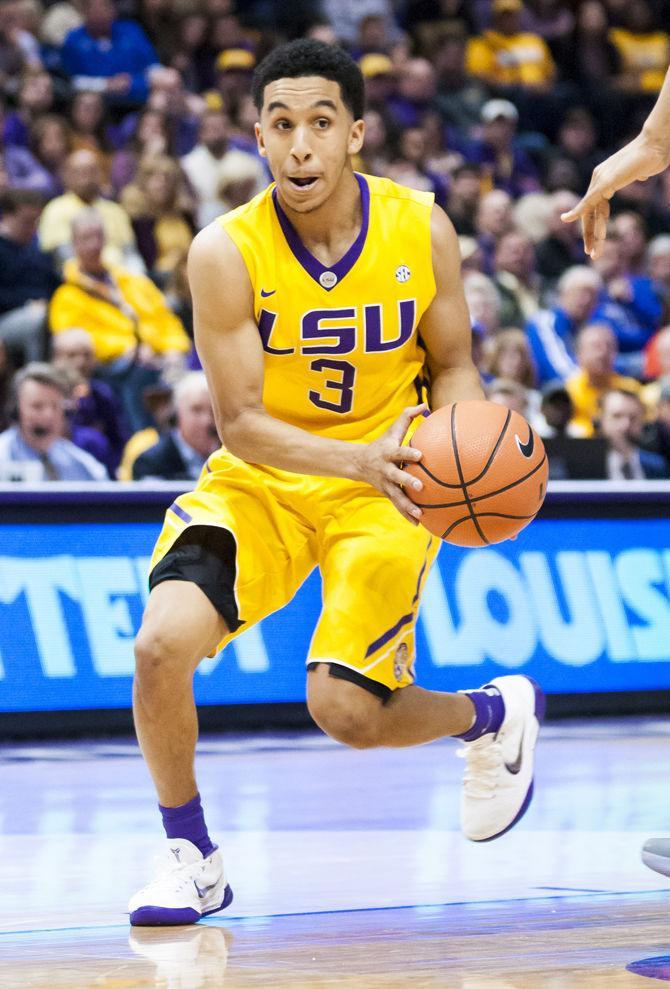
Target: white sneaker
(186, 888)
(656, 854)
(498, 781)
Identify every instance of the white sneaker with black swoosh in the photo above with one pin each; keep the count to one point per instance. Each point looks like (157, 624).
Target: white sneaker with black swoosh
(498, 781)
(186, 888)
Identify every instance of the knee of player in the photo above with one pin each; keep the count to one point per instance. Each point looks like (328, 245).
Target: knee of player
(153, 652)
(347, 718)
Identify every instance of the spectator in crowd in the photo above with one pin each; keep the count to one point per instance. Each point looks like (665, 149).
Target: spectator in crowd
(88, 127)
(417, 89)
(463, 198)
(234, 68)
(22, 168)
(508, 356)
(630, 230)
(161, 212)
(460, 96)
(506, 56)
(375, 156)
(379, 74)
(27, 277)
(578, 141)
(345, 16)
(151, 136)
(628, 303)
(50, 141)
(494, 218)
(213, 163)
(516, 279)
(36, 448)
(657, 364)
(135, 336)
(596, 350)
(34, 99)
(555, 418)
(594, 61)
(182, 453)
(506, 165)
(94, 404)
(13, 54)
(409, 166)
(621, 424)
(109, 55)
(83, 182)
(561, 248)
(644, 52)
(511, 394)
(159, 403)
(483, 301)
(552, 332)
(658, 262)
(656, 433)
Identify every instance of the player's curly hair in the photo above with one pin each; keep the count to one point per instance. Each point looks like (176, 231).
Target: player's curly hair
(306, 57)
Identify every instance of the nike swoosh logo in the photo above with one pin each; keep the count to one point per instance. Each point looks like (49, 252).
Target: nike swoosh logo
(526, 448)
(265, 294)
(203, 890)
(515, 767)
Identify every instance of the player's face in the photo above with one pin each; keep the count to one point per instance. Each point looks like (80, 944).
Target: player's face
(308, 135)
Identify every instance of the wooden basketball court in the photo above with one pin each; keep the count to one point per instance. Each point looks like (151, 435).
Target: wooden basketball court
(348, 868)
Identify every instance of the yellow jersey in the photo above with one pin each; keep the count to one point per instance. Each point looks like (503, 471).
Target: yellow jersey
(342, 352)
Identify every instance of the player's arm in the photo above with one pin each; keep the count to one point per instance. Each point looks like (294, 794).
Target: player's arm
(445, 327)
(229, 346)
(646, 155)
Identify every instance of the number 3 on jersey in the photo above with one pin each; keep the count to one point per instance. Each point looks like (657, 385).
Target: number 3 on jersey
(339, 376)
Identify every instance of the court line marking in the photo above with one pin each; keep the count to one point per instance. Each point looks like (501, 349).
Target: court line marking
(224, 920)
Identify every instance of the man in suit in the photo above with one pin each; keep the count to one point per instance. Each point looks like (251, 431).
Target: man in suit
(181, 453)
(621, 424)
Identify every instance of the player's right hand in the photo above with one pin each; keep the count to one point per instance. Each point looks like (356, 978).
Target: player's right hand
(381, 464)
(632, 163)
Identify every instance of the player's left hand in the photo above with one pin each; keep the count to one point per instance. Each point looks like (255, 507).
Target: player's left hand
(382, 464)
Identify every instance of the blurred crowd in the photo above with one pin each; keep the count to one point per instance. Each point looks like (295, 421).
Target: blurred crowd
(127, 126)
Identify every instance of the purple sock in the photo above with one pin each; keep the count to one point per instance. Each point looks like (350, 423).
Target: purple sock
(489, 712)
(188, 821)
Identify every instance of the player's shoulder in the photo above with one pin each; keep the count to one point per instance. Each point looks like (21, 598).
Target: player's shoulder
(249, 214)
(390, 191)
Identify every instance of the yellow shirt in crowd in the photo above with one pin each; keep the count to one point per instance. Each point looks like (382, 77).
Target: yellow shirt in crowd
(55, 229)
(113, 331)
(520, 59)
(586, 396)
(645, 55)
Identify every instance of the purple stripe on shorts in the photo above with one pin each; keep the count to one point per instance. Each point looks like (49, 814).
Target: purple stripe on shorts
(184, 516)
(387, 636)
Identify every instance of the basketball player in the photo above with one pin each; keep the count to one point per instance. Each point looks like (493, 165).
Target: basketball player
(321, 307)
(646, 155)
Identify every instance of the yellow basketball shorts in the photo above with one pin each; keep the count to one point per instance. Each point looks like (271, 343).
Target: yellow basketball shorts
(373, 562)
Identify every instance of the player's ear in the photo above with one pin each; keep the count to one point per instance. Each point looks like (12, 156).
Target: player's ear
(356, 137)
(259, 141)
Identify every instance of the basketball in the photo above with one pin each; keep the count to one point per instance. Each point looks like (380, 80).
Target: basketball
(484, 473)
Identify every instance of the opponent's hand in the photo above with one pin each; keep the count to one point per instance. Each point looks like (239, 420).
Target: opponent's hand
(381, 460)
(634, 162)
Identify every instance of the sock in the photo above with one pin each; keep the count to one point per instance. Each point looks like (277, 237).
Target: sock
(489, 712)
(188, 821)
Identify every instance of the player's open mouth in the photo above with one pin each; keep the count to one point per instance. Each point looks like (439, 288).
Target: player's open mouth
(306, 182)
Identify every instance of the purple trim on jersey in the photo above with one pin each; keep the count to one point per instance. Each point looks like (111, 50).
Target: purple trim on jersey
(184, 516)
(387, 636)
(311, 264)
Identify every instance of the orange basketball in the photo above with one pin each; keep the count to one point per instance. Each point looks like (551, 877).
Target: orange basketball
(484, 473)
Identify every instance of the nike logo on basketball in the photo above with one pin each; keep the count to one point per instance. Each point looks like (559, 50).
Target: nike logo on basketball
(526, 448)
(515, 767)
(265, 294)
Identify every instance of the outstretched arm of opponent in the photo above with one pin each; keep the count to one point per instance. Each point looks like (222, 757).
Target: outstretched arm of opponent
(231, 352)
(445, 327)
(646, 155)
